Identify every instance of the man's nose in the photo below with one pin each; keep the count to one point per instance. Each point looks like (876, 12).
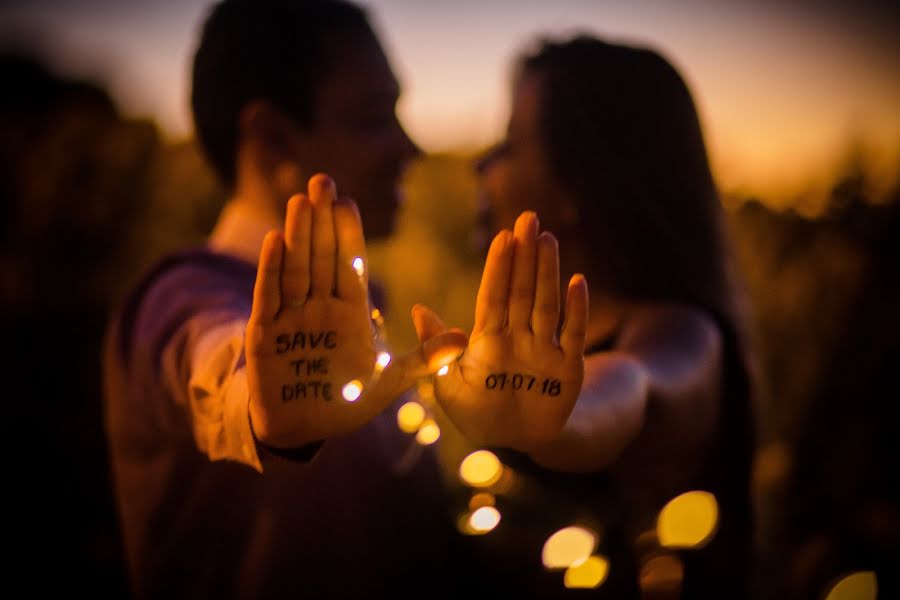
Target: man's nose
(409, 149)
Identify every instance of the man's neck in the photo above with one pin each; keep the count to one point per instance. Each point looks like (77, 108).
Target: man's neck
(241, 228)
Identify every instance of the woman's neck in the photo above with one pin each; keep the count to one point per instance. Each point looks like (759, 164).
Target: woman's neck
(605, 317)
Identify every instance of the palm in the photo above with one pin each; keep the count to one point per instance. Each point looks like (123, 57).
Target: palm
(309, 334)
(308, 354)
(516, 384)
(311, 355)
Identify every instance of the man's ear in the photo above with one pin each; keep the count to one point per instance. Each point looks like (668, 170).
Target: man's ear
(270, 129)
(569, 212)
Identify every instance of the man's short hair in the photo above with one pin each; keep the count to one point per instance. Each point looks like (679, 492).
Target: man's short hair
(273, 50)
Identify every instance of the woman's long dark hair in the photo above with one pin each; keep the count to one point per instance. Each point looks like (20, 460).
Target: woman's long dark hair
(621, 135)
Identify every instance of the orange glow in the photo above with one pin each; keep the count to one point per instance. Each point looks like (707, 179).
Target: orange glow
(425, 388)
(772, 464)
(442, 358)
(481, 499)
(778, 115)
(662, 574)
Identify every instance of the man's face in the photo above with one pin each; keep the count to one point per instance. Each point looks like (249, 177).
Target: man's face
(356, 137)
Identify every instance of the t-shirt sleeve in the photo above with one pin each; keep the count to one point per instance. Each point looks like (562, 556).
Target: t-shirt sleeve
(218, 396)
(180, 349)
(188, 341)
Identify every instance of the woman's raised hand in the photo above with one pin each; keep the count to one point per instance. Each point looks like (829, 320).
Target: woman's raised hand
(517, 382)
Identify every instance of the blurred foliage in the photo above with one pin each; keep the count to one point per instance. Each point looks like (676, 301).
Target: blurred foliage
(91, 199)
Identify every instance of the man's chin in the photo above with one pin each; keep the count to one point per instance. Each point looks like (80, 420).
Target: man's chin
(378, 233)
(379, 225)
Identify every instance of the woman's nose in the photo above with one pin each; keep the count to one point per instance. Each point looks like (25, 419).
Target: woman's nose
(409, 149)
(483, 162)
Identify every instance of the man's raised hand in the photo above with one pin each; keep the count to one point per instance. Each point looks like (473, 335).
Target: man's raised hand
(310, 346)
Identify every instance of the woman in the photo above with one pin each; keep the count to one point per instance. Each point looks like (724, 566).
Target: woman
(605, 145)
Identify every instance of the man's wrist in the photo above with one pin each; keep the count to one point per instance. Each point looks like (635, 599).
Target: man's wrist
(300, 454)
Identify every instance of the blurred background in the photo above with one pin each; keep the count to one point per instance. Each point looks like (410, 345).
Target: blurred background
(99, 176)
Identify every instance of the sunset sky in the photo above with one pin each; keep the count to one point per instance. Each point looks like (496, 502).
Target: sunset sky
(783, 92)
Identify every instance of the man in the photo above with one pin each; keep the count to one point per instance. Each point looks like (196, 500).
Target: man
(228, 483)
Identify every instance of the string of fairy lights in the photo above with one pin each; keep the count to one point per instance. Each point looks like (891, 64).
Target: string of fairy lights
(685, 523)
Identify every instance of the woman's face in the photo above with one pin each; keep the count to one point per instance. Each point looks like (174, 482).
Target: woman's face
(515, 175)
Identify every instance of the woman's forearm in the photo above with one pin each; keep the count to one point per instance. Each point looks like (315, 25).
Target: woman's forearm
(607, 417)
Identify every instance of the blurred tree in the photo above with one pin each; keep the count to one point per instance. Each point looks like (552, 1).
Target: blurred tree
(89, 199)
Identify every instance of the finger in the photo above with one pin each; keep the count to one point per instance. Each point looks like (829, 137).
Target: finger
(439, 344)
(267, 289)
(427, 323)
(493, 294)
(352, 266)
(573, 332)
(545, 315)
(322, 193)
(297, 230)
(521, 291)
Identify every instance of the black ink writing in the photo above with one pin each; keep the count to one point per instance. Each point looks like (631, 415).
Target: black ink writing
(519, 381)
(310, 366)
(305, 340)
(306, 389)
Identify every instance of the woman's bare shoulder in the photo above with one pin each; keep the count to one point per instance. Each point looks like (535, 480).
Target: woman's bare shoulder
(686, 330)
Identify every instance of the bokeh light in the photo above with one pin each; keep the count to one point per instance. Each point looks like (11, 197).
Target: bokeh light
(590, 573)
(410, 417)
(688, 520)
(359, 266)
(484, 519)
(428, 433)
(382, 361)
(481, 468)
(862, 585)
(352, 390)
(568, 546)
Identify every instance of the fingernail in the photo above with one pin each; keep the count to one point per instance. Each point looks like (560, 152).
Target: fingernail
(323, 181)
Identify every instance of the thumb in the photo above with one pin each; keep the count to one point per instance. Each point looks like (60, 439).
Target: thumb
(403, 371)
(427, 323)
